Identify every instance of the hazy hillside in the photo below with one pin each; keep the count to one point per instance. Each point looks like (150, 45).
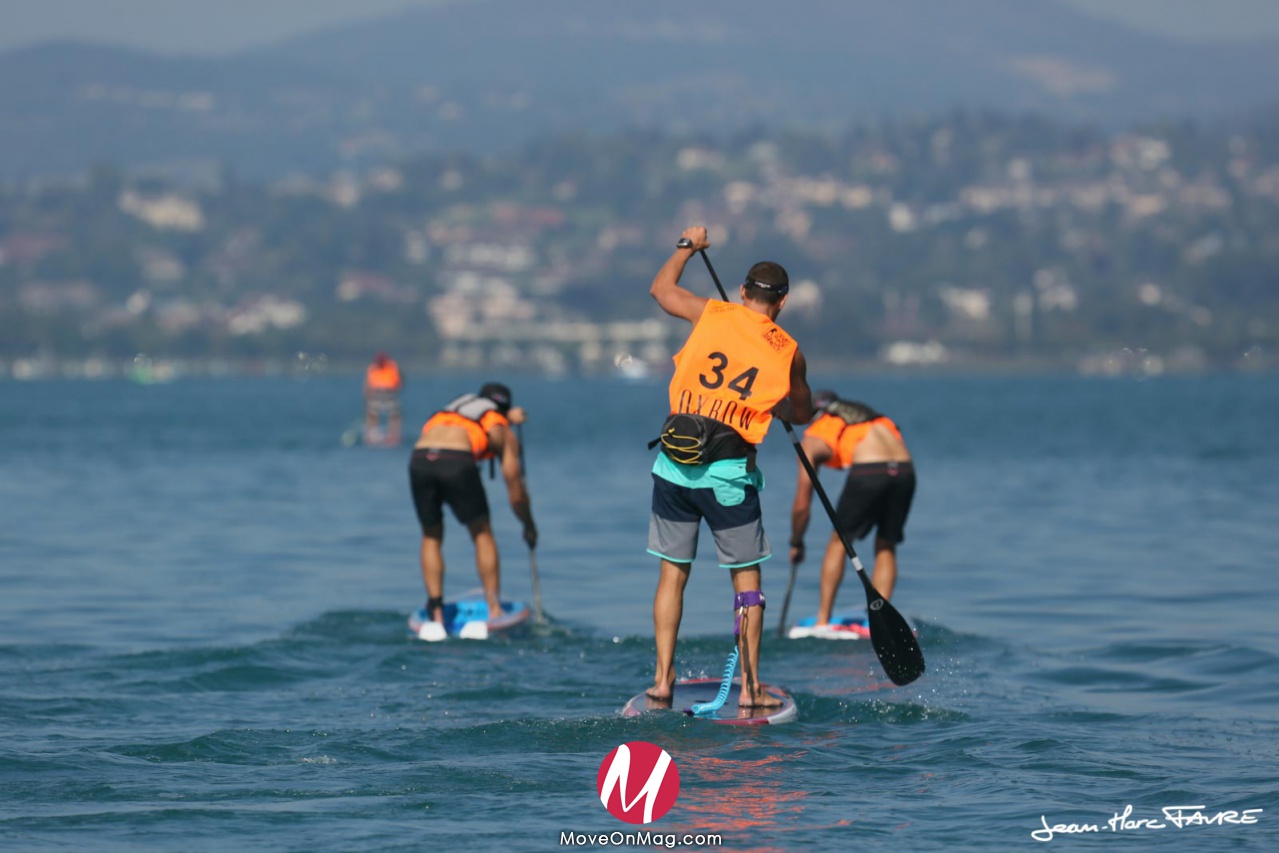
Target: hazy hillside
(967, 240)
(490, 74)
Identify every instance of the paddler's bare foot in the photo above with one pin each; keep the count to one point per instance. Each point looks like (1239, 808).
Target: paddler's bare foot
(660, 692)
(759, 699)
(654, 704)
(495, 612)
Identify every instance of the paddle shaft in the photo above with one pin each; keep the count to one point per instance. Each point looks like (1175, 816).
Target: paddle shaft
(790, 587)
(532, 559)
(537, 588)
(711, 270)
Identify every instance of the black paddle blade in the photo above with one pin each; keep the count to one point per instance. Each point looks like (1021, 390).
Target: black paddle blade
(890, 634)
(895, 644)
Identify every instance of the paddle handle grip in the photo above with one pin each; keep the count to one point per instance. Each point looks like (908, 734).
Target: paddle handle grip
(685, 243)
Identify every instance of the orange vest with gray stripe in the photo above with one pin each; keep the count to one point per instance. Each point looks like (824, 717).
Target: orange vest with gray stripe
(477, 415)
(734, 367)
(842, 437)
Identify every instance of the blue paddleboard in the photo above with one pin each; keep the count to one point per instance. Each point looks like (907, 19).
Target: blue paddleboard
(468, 618)
(699, 690)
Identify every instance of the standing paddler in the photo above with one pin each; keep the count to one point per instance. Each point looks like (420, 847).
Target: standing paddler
(736, 370)
(444, 470)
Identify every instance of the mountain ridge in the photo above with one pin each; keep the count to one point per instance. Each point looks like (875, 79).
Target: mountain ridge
(487, 74)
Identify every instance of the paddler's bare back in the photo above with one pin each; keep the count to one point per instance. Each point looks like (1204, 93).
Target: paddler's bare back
(444, 437)
(880, 445)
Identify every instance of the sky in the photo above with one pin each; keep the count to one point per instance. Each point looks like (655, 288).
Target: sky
(218, 27)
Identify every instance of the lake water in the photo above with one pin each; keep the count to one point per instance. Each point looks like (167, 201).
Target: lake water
(203, 598)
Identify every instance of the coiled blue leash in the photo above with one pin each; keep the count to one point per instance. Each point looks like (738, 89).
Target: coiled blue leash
(703, 708)
(741, 601)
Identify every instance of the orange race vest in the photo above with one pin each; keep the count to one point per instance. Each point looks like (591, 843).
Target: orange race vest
(477, 428)
(842, 437)
(734, 367)
(385, 378)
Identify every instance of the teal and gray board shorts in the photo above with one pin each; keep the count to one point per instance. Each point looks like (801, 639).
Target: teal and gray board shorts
(724, 494)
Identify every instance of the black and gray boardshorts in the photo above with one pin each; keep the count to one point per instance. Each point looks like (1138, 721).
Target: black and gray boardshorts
(877, 495)
(723, 495)
(439, 477)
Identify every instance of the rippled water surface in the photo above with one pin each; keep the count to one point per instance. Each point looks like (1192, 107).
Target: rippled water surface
(202, 628)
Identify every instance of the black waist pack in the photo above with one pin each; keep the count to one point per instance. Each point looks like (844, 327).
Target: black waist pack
(699, 440)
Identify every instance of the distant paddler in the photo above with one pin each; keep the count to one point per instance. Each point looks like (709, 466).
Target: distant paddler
(383, 383)
(444, 469)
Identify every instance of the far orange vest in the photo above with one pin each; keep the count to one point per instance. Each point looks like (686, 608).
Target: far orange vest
(385, 378)
(842, 437)
(734, 367)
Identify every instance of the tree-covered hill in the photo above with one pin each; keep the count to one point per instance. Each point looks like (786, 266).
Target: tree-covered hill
(975, 238)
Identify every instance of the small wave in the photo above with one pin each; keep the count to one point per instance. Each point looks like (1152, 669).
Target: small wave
(319, 759)
(827, 710)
